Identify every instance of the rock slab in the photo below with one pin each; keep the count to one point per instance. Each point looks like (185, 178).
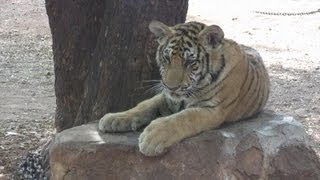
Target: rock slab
(269, 146)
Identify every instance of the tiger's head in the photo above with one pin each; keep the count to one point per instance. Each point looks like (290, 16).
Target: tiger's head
(183, 55)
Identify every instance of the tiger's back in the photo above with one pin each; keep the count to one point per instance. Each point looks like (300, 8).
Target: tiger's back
(256, 87)
(252, 79)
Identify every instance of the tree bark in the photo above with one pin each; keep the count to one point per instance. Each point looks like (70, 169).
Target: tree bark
(102, 51)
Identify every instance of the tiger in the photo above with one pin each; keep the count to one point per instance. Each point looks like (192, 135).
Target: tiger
(206, 80)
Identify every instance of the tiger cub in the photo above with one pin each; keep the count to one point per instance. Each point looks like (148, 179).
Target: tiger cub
(206, 80)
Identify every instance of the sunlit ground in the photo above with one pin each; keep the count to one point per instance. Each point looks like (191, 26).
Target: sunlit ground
(288, 36)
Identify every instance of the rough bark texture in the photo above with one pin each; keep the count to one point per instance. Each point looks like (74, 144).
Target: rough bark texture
(270, 146)
(102, 52)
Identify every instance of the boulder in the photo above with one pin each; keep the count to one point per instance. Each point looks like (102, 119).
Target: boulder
(269, 146)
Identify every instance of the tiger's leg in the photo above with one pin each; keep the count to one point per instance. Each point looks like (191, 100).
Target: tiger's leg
(132, 119)
(166, 131)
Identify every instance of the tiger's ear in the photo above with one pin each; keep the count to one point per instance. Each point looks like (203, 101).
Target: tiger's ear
(159, 29)
(211, 36)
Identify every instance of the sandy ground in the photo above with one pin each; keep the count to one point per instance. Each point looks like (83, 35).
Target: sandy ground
(27, 101)
(289, 46)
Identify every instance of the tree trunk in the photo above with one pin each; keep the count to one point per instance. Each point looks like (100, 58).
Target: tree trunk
(102, 51)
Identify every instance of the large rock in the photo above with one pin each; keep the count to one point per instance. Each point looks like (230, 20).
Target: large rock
(269, 146)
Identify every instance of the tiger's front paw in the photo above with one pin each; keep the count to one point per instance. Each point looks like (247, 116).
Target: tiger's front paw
(119, 122)
(156, 138)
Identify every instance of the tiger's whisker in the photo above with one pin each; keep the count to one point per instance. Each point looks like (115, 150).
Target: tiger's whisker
(146, 86)
(156, 88)
(151, 80)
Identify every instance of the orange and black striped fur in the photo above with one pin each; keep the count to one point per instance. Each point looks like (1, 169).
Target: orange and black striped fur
(206, 80)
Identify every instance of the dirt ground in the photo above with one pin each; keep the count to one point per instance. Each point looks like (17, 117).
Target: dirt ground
(289, 46)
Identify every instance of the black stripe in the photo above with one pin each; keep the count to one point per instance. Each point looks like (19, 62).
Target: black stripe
(199, 82)
(170, 110)
(232, 102)
(168, 105)
(255, 88)
(175, 50)
(268, 88)
(204, 100)
(181, 106)
(261, 99)
(222, 101)
(186, 49)
(203, 75)
(193, 32)
(195, 26)
(201, 26)
(247, 74)
(255, 99)
(198, 51)
(214, 87)
(189, 43)
(251, 80)
(207, 61)
(207, 106)
(215, 75)
(173, 41)
(202, 62)
(204, 59)
(219, 83)
(264, 96)
(184, 32)
(161, 48)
